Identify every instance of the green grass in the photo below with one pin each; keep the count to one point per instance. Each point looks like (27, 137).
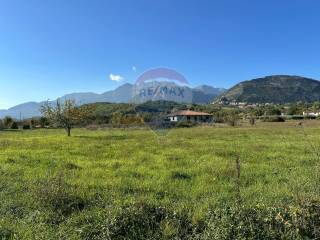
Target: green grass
(52, 186)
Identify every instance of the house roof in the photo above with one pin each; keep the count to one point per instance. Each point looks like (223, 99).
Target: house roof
(188, 113)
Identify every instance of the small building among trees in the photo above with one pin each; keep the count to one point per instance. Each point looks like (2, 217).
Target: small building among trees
(190, 116)
(311, 114)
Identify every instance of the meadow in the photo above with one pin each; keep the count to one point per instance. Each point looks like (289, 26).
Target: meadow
(246, 182)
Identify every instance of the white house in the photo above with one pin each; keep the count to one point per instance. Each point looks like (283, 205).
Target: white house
(192, 116)
(311, 114)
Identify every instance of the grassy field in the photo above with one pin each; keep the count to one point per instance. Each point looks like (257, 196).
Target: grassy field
(134, 184)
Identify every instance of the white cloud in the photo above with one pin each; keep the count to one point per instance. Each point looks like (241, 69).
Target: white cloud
(134, 68)
(116, 78)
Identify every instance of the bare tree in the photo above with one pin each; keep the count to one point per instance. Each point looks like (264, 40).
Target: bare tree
(66, 114)
(238, 187)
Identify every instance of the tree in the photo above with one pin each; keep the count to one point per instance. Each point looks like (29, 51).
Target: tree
(1, 125)
(14, 125)
(271, 110)
(116, 118)
(316, 107)
(252, 120)
(7, 121)
(232, 118)
(66, 114)
(43, 121)
(293, 109)
(33, 123)
(26, 124)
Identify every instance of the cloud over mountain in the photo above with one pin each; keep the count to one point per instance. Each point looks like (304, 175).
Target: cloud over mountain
(114, 77)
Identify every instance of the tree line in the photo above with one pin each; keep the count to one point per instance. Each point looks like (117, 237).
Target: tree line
(67, 114)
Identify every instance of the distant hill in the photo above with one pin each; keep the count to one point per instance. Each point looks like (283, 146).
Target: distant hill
(124, 94)
(274, 89)
(25, 110)
(205, 94)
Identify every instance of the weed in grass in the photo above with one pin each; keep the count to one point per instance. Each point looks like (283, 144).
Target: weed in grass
(180, 176)
(59, 197)
(10, 161)
(262, 222)
(6, 234)
(145, 221)
(72, 166)
(116, 165)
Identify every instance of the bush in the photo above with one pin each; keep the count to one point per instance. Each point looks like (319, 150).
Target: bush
(145, 221)
(33, 123)
(6, 234)
(185, 124)
(273, 119)
(261, 222)
(7, 121)
(180, 176)
(26, 126)
(43, 121)
(1, 125)
(297, 117)
(14, 125)
(219, 116)
(142, 221)
(232, 119)
(252, 120)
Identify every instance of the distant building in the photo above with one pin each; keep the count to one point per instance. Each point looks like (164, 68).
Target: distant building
(192, 116)
(224, 101)
(311, 114)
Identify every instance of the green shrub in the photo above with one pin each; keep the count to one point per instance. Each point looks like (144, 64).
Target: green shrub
(180, 176)
(185, 124)
(143, 221)
(232, 118)
(26, 126)
(261, 222)
(1, 125)
(297, 117)
(72, 166)
(7, 121)
(6, 233)
(14, 125)
(43, 121)
(252, 120)
(273, 119)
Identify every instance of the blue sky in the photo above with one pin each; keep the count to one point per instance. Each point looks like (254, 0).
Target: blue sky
(50, 48)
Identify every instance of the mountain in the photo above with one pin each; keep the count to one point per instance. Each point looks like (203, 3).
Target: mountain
(25, 110)
(205, 93)
(274, 89)
(124, 94)
(206, 89)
